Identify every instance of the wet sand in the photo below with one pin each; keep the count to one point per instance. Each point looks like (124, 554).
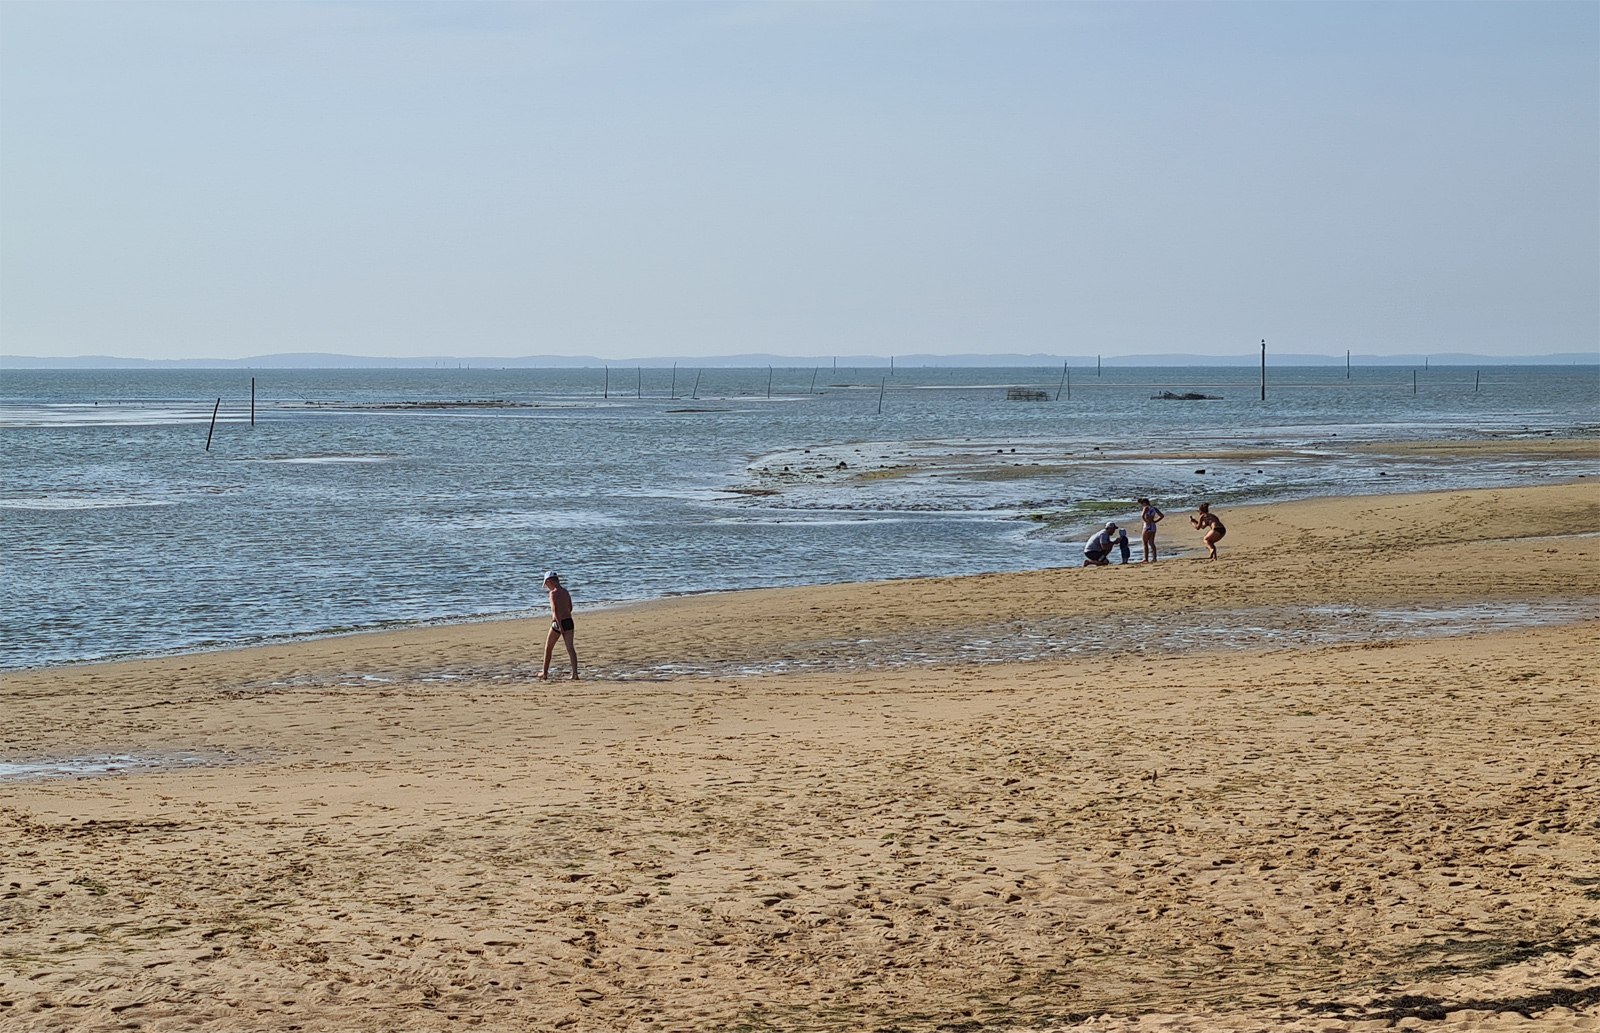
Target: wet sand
(403, 830)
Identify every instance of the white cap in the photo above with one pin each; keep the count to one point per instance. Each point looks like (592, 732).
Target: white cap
(551, 575)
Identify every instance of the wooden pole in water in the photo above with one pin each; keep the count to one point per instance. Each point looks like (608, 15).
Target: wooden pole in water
(213, 429)
(882, 381)
(696, 393)
(638, 389)
(813, 389)
(1477, 378)
(1413, 381)
(1069, 385)
(1097, 365)
(608, 382)
(673, 391)
(1347, 363)
(1263, 369)
(1063, 381)
(252, 401)
(769, 381)
(891, 365)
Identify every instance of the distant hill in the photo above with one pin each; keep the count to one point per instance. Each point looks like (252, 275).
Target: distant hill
(317, 360)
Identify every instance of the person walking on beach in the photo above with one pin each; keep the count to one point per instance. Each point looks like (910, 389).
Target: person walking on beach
(1207, 522)
(1097, 550)
(561, 625)
(1150, 516)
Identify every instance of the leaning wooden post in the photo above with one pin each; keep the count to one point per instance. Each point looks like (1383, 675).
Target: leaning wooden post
(813, 389)
(696, 392)
(1063, 381)
(213, 429)
(881, 384)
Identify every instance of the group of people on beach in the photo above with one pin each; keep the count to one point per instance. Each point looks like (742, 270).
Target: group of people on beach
(1097, 550)
(1096, 553)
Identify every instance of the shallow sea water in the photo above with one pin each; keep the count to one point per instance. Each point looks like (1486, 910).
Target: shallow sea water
(380, 498)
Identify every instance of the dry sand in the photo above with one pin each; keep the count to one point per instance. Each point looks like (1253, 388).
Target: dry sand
(1287, 835)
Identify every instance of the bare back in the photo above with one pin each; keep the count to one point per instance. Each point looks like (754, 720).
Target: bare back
(560, 603)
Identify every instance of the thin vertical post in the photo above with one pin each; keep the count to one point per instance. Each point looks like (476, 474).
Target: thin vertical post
(638, 389)
(813, 388)
(1477, 378)
(836, 363)
(1069, 385)
(696, 392)
(1413, 380)
(672, 392)
(1347, 363)
(252, 401)
(882, 382)
(1097, 365)
(1263, 369)
(213, 429)
(608, 382)
(1063, 381)
(769, 381)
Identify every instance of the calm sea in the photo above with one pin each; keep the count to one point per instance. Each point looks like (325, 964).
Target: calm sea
(371, 498)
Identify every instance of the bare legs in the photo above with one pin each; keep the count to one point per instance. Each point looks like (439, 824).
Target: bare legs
(550, 648)
(1149, 547)
(1212, 538)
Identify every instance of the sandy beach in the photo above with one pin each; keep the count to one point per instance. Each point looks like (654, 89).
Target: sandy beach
(1346, 777)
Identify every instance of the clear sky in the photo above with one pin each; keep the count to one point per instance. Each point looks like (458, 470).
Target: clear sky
(221, 180)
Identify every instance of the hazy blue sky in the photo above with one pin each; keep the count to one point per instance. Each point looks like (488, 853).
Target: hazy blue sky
(229, 179)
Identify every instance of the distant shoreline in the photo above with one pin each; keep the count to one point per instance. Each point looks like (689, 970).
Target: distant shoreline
(317, 360)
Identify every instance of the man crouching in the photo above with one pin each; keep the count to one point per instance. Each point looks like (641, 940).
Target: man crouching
(1097, 550)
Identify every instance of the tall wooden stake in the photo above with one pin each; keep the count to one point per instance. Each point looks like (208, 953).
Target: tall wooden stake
(882, 382)
(1063, 381)
(1263, 369)
(769, 381)
(1347, 363)
(673, 391)
(252, 401)
(813, 388)
(638, 390)
(696, 393)
(213, 429)
(1477, 378)
(608, 382)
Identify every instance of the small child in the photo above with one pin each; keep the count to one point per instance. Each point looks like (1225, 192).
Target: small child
(1122, 543)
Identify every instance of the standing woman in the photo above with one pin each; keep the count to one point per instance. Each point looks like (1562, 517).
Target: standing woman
(1208, 522)
(1150, 516)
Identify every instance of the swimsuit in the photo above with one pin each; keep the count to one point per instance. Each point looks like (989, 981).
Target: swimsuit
(564, 624)
(1149, 517)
